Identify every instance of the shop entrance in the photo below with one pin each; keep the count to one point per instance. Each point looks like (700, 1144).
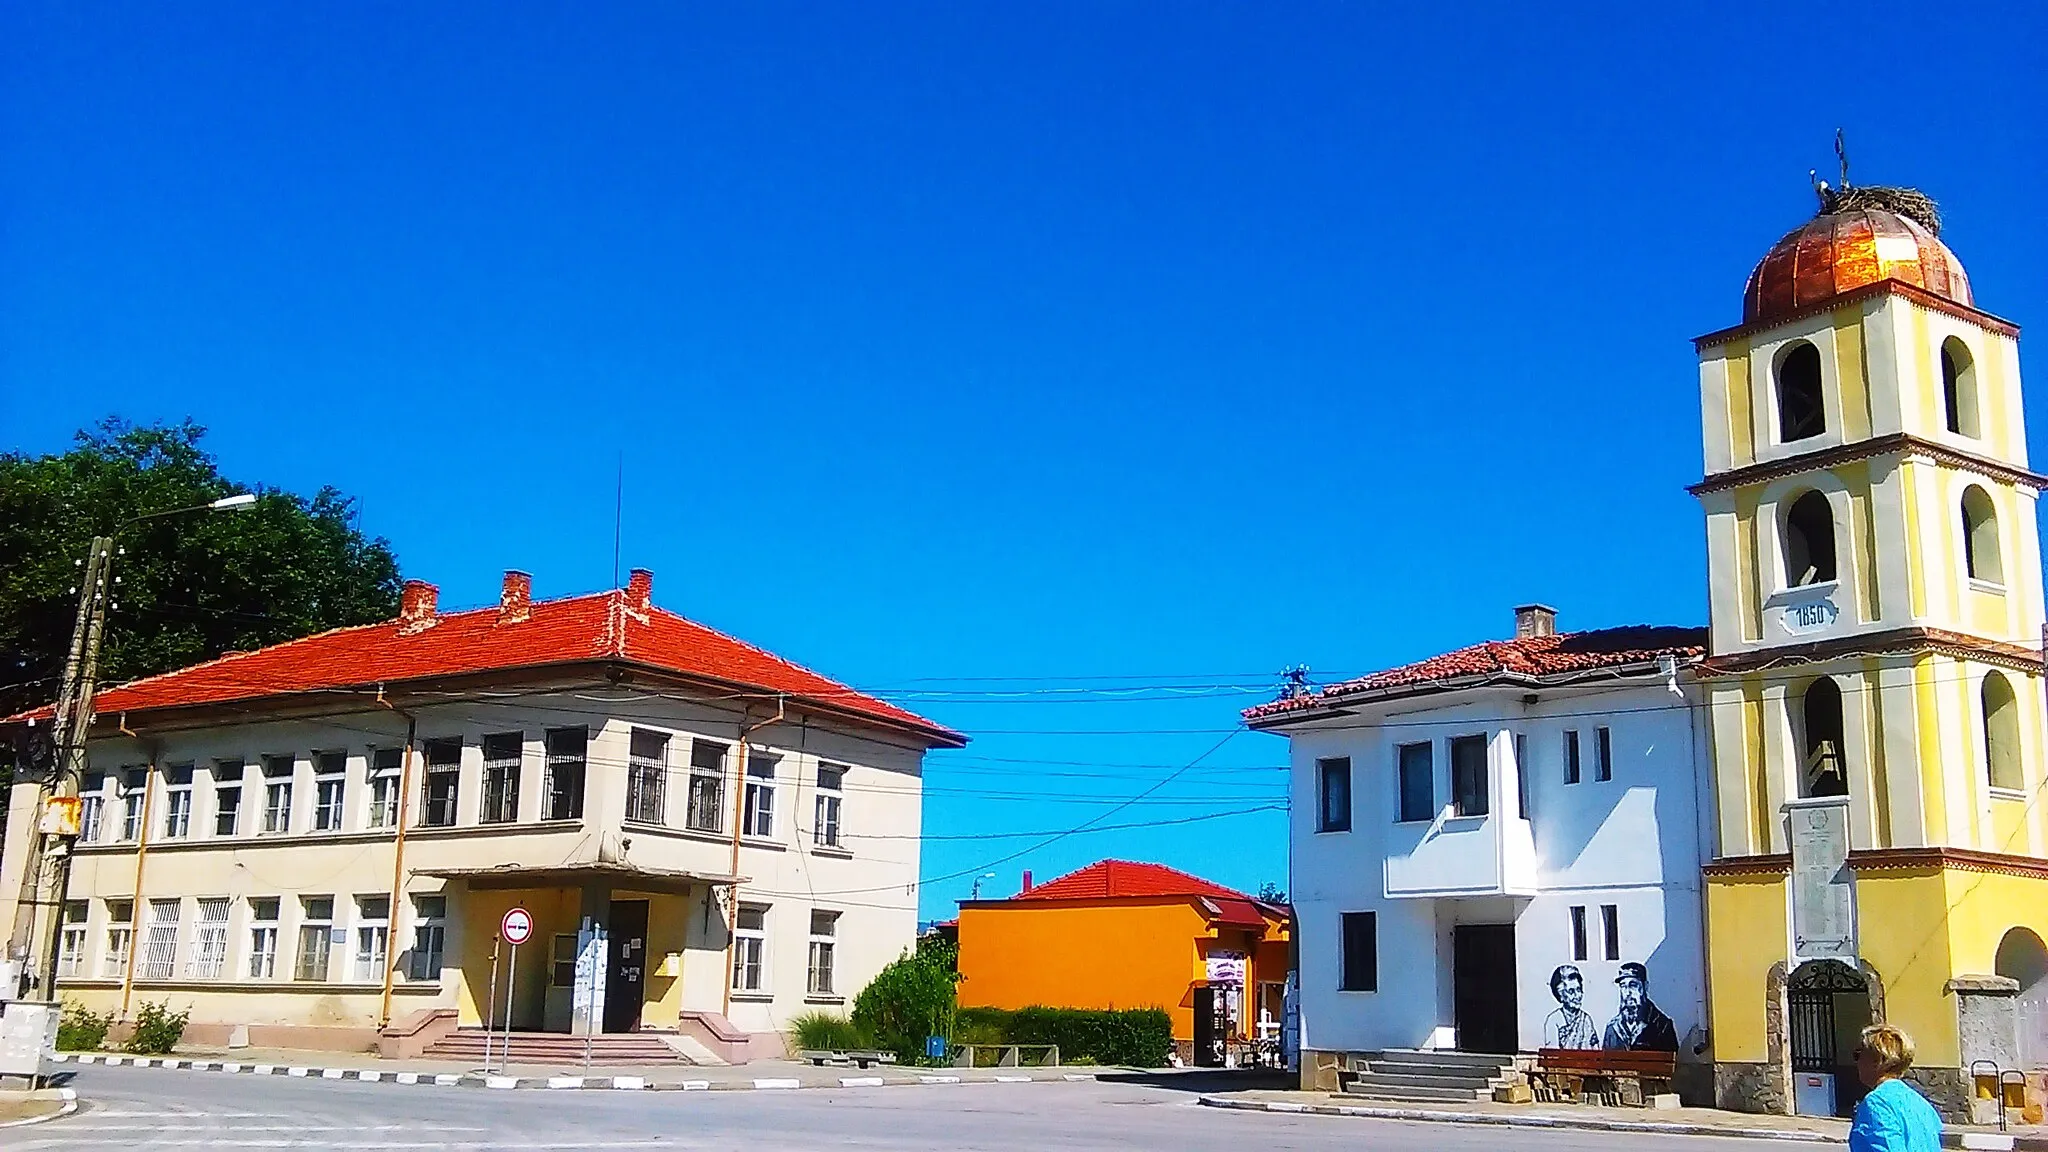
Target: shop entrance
(626, 980)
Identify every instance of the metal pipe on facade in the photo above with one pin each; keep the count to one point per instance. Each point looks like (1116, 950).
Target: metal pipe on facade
(397, 857)
(135, 923)
(739, 811)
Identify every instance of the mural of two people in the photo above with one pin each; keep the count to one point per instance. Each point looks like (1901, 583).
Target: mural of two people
(1638, 1023)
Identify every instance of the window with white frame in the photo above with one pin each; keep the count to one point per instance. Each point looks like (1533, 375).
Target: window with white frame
(429, 938)
(759, 816)
(316, 938)
(277, 793)
(373, 938)
(444, 782)
(210, 939)
(177, 801)
(71, 944)
(646, 772)
(134, 793)
(831, 798)
(567, 752)
(384, 766)
(824, 929)
(749, 947)
(92, 806)
(160, 944)
(263, 912)
(120, 934)
(227, 797)
(502, 752)
(707, 787)
(330, 785)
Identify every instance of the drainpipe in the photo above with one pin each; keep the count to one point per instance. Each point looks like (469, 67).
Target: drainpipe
(135, 922)
(739, 811)
(397, 857)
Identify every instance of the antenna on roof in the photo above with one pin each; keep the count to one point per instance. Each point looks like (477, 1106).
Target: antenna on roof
(1294, 682)
(618, 516)
(1842, 154)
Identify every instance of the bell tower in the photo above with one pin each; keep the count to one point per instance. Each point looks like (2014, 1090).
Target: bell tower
(1876, 611)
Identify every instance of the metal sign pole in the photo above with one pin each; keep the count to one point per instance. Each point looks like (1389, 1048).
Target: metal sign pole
(511, 991)
(491, 1006)
(590, 1012)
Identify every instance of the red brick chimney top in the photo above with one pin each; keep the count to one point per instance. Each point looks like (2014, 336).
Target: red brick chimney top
(639, 589)
(416, 605)
(515, 599)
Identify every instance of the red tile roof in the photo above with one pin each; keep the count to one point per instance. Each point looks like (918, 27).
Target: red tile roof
(1107, 879)
(620, 626)
(1530, 659)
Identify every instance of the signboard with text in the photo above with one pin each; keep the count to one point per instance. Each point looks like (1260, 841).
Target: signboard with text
(1823, 890)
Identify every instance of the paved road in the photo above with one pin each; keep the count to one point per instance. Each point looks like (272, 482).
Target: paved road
(155, 1108)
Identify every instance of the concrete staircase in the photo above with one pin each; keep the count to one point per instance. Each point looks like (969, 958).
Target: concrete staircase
(612, 1050)
(1429, 1077)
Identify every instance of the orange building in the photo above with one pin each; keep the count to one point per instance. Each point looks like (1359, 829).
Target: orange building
(1119, 934)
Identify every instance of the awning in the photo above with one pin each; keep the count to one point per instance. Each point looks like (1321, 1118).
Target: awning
(576, 875)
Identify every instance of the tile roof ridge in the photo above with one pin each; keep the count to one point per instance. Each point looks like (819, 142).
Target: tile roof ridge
(756, 648)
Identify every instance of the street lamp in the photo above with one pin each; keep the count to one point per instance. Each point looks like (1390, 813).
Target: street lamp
(974, 893)
(73, 716)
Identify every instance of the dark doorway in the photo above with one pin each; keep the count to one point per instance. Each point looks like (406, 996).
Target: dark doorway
(1827, 1005)
(625, 983)
(1483, 987)
(1212, 1025)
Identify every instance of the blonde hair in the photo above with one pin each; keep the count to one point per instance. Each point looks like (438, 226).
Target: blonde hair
(1892, 1048)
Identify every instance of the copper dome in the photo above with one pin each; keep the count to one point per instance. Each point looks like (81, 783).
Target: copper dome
(1840, 251)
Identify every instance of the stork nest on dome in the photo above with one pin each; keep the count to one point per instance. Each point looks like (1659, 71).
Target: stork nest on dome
(1911, 203)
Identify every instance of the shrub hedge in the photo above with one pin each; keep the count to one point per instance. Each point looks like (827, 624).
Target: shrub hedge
(1135, 1037)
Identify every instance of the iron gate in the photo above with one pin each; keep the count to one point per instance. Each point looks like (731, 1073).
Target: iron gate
(1810, 1013)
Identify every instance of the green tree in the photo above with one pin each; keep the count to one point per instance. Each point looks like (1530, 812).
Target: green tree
(190, 587)
(914, 997)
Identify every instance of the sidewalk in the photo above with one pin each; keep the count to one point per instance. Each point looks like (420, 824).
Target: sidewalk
(20, 1108)
(370, 1068)
(1671, 1121)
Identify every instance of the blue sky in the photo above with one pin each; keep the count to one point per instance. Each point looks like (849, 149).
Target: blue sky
(997, 356)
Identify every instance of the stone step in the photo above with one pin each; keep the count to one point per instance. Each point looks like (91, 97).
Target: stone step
(1443, 1058)
(470, 1044)
(1412, 1076)
(1369, 1090)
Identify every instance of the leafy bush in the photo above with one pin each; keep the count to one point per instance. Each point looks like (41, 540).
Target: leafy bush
(1138, 1037)
(829, 1031)
(157, 1029)
(81, 1031)
(914, 997)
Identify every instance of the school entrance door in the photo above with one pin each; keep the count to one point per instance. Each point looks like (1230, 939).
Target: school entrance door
(1483, 987)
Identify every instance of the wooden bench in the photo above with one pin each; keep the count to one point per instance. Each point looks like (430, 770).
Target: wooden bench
(1601, 1076)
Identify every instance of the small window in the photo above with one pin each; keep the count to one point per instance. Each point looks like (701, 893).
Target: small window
(1333, 794)
(227, 797)
(177, 801)
(646, 776)
(385, 767)
(1522, 769)
(160, 944)
(503, 752)
(134, 789)
(1959, 387)
(1469, 790)
(71, 945)
(330, 780)
(1980, 537)
(1578, 932)
(1418, 782)
(316, 939)
(758, 802)
(1809, 541)
(210, 939)
(443, 782)
(566, 751)
(749, 947)
(277, 793)
(1610, 931)
(1571, 756)
(824, 930)
(1360, 961)
(373, 938)
(120, 934)
(1802, 411)
(429, 938)
(705, 811)
(2002, 734)
(1603, 754)
(263, 937)
(830, 802)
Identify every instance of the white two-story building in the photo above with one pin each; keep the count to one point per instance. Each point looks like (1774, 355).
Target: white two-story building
(1498, 849)
(318, 842)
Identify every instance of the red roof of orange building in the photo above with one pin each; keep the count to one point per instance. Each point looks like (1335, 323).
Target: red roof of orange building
(620, 625)
(1108, 879)
(1529, 659)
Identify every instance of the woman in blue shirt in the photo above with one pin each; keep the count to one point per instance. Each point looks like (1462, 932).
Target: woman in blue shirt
(1893, 1117)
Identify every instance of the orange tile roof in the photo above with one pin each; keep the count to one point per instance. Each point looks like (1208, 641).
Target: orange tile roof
(1531, 658)
(1108, 879)
(620, 626)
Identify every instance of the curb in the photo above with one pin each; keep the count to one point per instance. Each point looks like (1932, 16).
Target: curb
(496, 1082)
(1971, 1141)
(70, 1098)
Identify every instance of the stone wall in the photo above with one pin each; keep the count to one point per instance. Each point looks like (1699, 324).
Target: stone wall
(1741, 1086)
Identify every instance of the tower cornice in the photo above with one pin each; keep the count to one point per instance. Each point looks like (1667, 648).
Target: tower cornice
(1895, 443)
(1913, 292)
(2016, 657)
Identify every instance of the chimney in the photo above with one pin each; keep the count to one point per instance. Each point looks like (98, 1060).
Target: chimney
(1535, 620)
(515, 599)
(639, 589)
(416, 606)
(1027, 881)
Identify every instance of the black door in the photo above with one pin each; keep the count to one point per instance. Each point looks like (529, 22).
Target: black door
(1208, 1038)
(1483, 987)
(627, 979)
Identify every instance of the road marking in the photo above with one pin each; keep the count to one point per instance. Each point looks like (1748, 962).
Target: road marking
(938, 1079)
(408, 1077)
(231, 1067)
(565, 1081)
(629, 1081)
(263, 1069)
(369, 1075)
(330, 1073)
(447, 1081)
(296, 1071)
(696, 1085)
(1013, 1079)
(860, 1081)
(498, 1081)
(777, 1082)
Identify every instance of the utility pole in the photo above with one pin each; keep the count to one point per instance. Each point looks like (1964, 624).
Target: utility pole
(69, 724)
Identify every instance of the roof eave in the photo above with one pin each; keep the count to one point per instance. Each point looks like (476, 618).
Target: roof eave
(1337, 706)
